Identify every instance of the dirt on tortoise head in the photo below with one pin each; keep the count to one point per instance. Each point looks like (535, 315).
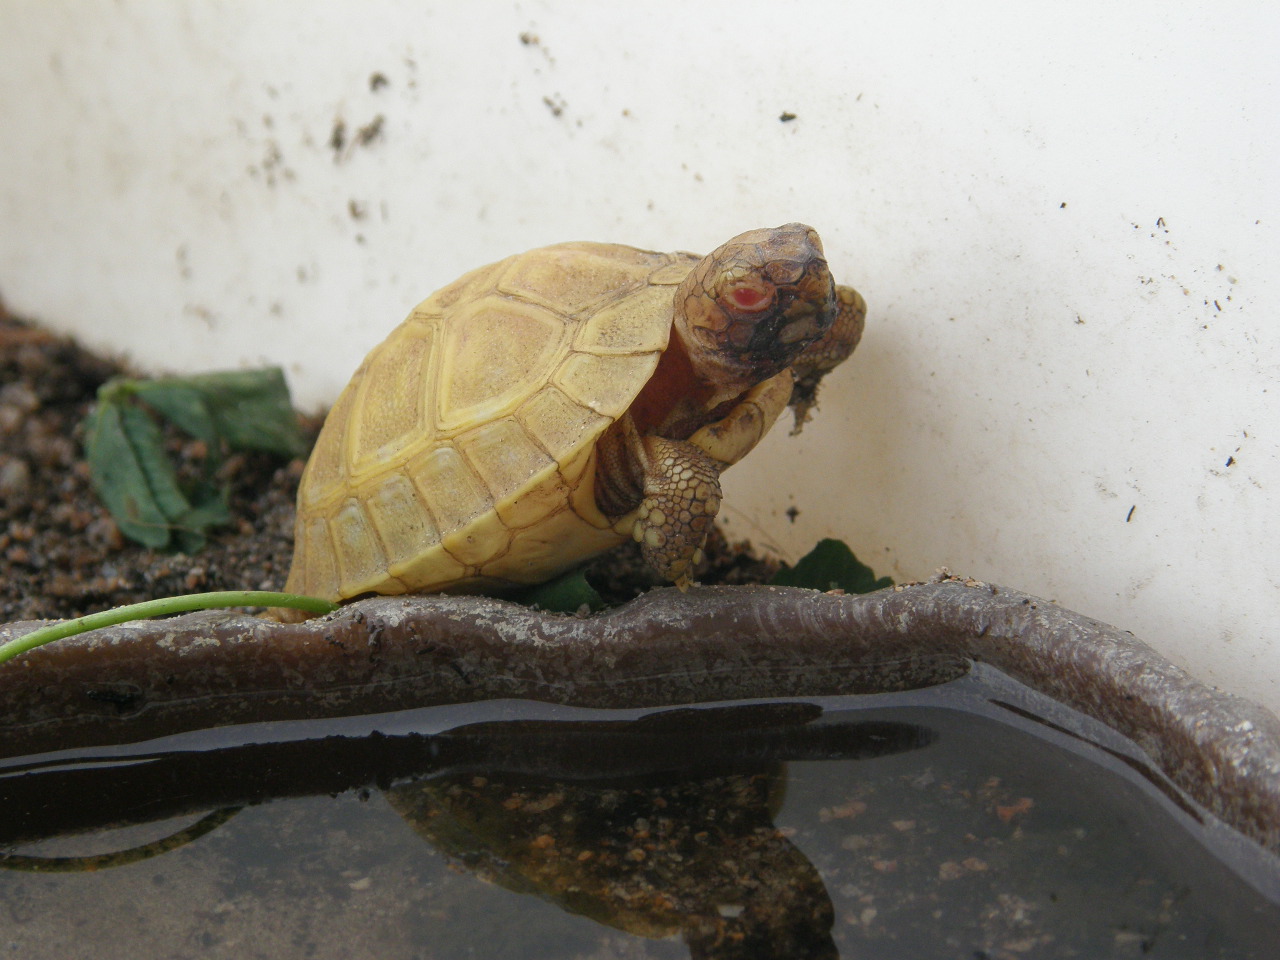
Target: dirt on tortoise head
(61, 555)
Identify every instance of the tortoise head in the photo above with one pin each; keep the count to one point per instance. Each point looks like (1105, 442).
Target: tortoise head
(748, 309)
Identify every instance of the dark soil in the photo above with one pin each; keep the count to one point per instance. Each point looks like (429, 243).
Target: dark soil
(61, 554)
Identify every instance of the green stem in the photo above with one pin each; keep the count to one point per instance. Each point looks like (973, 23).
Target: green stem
(160, 608)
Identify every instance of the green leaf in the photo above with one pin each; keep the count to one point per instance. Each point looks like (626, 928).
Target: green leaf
(147, 443)
(211, 509)
(245, 409)
(249, 409)
(120, 479)
(182, 404)
(568, 593)
(831, 565)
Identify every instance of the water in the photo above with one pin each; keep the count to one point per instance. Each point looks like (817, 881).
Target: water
(948, 822)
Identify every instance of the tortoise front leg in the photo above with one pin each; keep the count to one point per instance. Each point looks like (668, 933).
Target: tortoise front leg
(681, 478)
(827, 352)
(681, 499)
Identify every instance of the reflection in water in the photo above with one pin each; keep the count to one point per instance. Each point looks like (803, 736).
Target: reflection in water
(697, 855)
(930, 824)
(90, 863)
(602, 818)
(700, 858)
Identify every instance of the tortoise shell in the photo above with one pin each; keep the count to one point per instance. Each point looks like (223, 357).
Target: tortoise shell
(461, 454)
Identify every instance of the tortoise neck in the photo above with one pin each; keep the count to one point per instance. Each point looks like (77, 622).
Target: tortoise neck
(674, 404)
(677, 401)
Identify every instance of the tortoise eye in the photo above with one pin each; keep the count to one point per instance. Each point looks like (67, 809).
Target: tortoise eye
(748, 298)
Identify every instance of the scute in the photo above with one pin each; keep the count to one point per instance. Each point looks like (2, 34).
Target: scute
(478, 542)
(454, 495)
(494, 354)
(573, 278)
(400, 517)
(624, 326)
(604, 383)
(674, 268)
(389, 410)
(557, 423)
(503, 456)
(362, 564)
(326, 470)
(466, 288)
(314, 570)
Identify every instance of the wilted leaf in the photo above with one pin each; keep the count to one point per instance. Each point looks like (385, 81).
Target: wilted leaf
(120, 479)
(249, 409)
(210, 509)
(831, 565)
(147, 444)
(243, 410)
(181, 404)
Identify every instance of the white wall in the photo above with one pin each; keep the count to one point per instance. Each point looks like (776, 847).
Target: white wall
(1063, 217)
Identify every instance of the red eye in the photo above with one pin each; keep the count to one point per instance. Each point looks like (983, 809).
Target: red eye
(747, 298)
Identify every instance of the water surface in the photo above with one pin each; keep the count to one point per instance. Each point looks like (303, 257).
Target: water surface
(970, 820)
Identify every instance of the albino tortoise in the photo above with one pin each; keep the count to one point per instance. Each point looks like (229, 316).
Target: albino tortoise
(543, 409)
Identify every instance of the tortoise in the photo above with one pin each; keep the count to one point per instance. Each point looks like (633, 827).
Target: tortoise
(542, 409)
